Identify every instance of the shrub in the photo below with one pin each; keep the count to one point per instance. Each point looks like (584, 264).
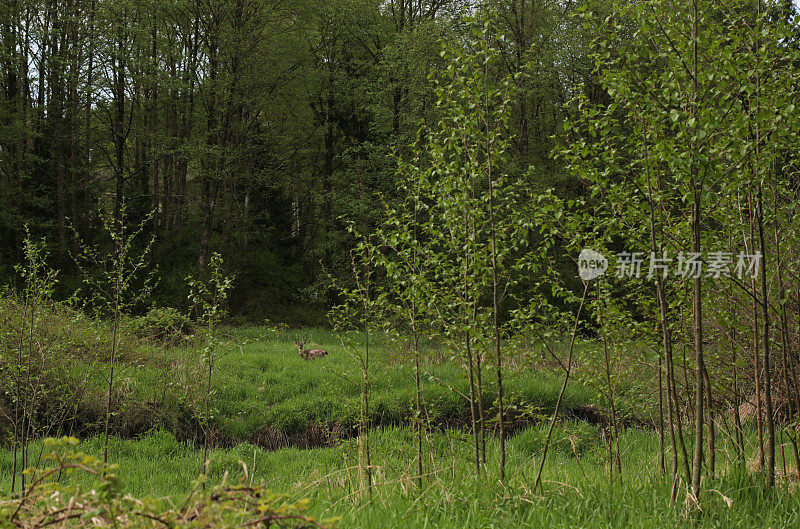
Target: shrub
(104, 502)
(165, 325)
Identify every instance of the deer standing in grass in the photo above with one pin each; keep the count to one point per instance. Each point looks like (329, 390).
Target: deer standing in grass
(308, 354)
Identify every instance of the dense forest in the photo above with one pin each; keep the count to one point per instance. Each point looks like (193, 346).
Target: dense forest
(256, 128)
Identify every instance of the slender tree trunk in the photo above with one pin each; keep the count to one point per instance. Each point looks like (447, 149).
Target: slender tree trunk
(737, 419)
(712, 436)
(481, 410)
(769, 418)
(415, 332)
(468, 322)
(614, 452)
(472, 403)
(770, 424)
(363, 438)
(563, 390)
(29, 410)
(73, 120)
(697, 299)
(418, 403)
(790, 391)
(756, 341)
(495, 294)
(114, 339)
(118, 123)
(87, 134)
(364, 462)
(206, 418)
(661, 447)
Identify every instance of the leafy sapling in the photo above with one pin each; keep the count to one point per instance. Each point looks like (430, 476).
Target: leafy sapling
(208, 301)
(117, 280)
(39, 281)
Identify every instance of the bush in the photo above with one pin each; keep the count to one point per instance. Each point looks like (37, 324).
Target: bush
(49, 501)
(165, 325)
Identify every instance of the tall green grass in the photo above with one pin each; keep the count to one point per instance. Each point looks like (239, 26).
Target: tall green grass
(578, 491)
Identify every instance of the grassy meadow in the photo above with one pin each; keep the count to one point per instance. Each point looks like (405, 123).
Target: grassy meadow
(290, 424)
(577, 488)
(265, 394)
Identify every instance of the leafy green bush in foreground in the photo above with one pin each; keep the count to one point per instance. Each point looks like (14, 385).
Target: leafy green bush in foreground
(54, 498)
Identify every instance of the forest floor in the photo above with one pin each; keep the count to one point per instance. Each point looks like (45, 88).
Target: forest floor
(290, 423)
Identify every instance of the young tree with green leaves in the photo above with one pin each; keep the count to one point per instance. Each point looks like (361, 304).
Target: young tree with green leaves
(476, 200)
(404, 257)
(207, 297)
(118, 278)
(666, 137)
(39, 282)
(357, 318)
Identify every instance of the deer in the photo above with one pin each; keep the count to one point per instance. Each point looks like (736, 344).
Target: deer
(308, 354)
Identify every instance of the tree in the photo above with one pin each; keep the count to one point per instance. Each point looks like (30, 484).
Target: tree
(653, 119)
(208, 302)
(39, 280)
(471, 224)
(117, 279)
(360, 312)
(401, 253)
